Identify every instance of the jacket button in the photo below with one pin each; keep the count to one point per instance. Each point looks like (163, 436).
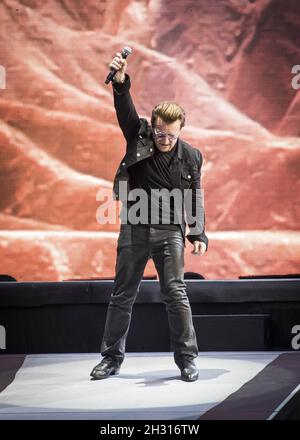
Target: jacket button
(140, 136)
(138, 154)
(151, 149)
(189, 176)
(123, 163)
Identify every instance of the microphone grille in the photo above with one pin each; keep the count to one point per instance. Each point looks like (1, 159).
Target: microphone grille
(127, 50)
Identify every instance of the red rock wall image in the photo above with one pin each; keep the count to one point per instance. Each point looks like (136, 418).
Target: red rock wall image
(227, 62)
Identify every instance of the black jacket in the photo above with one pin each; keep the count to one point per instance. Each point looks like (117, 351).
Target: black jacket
(185, 169)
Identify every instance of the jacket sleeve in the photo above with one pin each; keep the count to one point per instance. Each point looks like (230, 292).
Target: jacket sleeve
(126, 113)
(195, 213)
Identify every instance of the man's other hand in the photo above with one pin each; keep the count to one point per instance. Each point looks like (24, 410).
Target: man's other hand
(199, 248)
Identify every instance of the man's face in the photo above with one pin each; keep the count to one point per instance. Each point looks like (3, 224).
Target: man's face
(165, 135)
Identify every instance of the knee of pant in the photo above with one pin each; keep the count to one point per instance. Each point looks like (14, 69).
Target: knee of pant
(173, 296)
(122, 299)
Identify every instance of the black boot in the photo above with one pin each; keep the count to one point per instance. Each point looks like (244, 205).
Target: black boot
(189, 371)
(105, 368)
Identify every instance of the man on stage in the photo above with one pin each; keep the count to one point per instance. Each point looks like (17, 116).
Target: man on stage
(156, 159)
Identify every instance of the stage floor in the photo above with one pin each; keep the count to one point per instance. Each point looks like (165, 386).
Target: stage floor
(232, 385)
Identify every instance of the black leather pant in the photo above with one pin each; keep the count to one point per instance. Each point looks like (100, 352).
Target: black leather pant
(136, 244)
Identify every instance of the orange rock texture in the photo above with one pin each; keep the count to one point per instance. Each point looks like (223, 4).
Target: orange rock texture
(227, 62)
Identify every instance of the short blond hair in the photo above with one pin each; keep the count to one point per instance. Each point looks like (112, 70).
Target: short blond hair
(169, 112)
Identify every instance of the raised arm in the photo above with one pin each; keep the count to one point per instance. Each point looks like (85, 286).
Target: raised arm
(126, 113)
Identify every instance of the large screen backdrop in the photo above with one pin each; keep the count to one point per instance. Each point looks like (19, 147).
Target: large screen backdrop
(234, 67)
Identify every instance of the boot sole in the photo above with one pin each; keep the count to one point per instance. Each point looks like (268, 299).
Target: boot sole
(186, 379)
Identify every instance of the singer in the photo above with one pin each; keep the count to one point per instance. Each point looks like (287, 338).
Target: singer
(156, 159)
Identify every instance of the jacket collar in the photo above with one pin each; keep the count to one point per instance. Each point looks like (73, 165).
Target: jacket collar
(179, 149)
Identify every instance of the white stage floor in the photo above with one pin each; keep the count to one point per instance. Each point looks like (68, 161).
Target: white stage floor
(231, 385)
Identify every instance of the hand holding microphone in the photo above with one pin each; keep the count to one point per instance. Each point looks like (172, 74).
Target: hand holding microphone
(118, 66)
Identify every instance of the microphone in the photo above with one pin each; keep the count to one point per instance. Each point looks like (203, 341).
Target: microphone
(125, 52)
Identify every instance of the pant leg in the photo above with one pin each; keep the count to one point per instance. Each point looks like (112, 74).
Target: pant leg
(132, 257)
(167, 251)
